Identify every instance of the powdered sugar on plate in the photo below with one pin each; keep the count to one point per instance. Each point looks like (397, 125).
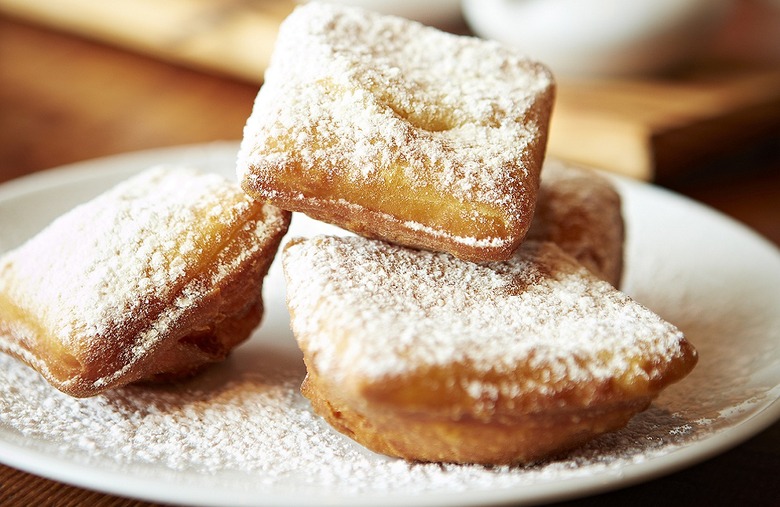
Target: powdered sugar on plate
(242, 434)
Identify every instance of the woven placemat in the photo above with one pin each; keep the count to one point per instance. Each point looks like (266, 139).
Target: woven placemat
(20, 489)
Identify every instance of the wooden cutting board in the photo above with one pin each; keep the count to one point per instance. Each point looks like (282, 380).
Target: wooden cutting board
(653, 128)
(647, 128)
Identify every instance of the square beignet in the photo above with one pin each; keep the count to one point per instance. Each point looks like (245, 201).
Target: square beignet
(580, 211)
(399, 131)
(426, 357)
(151, 280)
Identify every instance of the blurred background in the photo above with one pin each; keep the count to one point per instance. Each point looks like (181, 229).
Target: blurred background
(681, 93)
(659, 90)
(647, 88)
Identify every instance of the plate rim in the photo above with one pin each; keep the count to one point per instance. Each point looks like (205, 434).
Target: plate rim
(135, 487)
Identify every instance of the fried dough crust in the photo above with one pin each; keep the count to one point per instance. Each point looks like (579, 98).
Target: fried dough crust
(398, 131)
(430, 358)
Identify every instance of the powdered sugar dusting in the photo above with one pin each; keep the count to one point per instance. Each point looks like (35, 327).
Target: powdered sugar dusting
(89, 294)
(369, 309)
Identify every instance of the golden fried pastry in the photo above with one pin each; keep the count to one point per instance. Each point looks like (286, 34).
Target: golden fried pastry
(423, 356)
(398, 131)
(152, 280)
(580, 211)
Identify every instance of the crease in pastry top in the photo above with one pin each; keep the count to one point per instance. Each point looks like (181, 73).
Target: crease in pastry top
(151, 280)
(427, 357)
(398, 131)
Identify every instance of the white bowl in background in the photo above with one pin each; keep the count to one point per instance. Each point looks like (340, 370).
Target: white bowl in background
(600, 37)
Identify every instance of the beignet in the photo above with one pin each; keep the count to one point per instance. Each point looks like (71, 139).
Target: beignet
(580, 211)
(398, 131)
(151, 280)
(423, 356)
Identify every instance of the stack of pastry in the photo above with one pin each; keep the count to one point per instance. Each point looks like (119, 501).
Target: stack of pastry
(475, 316)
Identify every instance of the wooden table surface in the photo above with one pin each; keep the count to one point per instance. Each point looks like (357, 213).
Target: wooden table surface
(64, 99)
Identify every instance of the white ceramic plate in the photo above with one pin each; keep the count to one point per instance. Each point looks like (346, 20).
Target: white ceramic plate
(241, 434)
